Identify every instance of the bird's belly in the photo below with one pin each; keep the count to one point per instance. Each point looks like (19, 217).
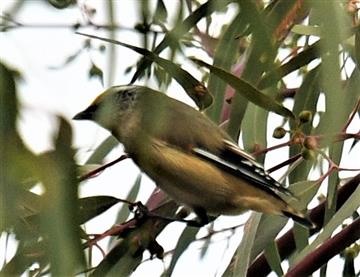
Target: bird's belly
(191, 188)
(198, 183)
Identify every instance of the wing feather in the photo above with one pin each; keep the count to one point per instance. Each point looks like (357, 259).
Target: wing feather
(237, 162)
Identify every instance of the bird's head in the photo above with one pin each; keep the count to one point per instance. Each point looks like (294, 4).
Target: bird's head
(112, 107)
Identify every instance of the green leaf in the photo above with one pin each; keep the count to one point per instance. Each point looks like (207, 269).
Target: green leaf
(8, 103)
(301, 236)
(335, 153)
(333, 27)
(181, 29)
(254, 137)
(273, 258)
(244, 250)
(357, 47)
(61, 4)
(304, 191)
(225, 56)
(95, 71)
(306, 98)
(26, 255)
(59, 218)
(282, 15)
(29, 203)
(124, 211)
(302, 59)
(8, 113)
(17, 161)
(103, 150)
(352, 89)
(306, 30)
(118, 262)
(247, 90)
(186, 238)
(269, 227)
(111, 53)
(161, 13)
(87, 168)
(127, 254)
(92, 206)
(195, 89)
(259, 58)
(344, 212)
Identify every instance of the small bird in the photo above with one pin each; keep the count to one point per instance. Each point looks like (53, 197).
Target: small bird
(187, 155)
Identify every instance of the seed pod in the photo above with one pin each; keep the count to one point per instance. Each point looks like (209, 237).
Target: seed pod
(305, 116)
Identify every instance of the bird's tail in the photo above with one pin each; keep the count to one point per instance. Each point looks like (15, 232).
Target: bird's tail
(299, 218)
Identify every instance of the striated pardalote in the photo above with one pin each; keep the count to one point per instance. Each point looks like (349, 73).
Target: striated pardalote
(187, 155)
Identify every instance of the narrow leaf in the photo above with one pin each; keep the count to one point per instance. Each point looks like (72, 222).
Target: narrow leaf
(225, 55)
(195, 89)
(301, 59)
(247, 90)
(270, 225)
(273, 258)
(102, 150)
(181, 29)
(186, 238)
(92, 206)
(344, 212)
(306, 30)
(59, 219)
(244, 249)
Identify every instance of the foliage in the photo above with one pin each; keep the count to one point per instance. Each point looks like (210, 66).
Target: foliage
(321, 40)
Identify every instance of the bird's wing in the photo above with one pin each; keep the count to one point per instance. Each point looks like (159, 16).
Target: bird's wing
(235, 161)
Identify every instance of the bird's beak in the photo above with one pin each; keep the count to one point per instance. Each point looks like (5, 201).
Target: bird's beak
(87, 114)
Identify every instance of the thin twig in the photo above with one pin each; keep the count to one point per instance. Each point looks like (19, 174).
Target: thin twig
(101, 168)
(285, 163)
(277, 146)
(209, 235)
(352, 115)
(77, 25)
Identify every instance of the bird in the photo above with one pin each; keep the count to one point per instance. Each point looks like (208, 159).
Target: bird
(188, 156)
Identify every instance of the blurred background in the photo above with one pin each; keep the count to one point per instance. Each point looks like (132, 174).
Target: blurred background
(288, 50)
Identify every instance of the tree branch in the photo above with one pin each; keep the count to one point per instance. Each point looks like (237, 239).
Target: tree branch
(286, 243)
(326, 251)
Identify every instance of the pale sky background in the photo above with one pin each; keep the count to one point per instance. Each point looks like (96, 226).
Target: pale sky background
(45, 93)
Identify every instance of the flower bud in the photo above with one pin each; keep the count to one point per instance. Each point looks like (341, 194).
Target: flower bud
(308, 154)
(310, 143)
(305, 116)
(279, 132)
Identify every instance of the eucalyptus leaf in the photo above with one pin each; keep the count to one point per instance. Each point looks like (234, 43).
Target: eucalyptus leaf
(195, 89)
(224, 57)
(273, 258)
(344, 212)
(124, 211)
(102, 150)
(306, 30)
(186, 238)
(242, 254)
(247, 90)
(181, 29)
(93, 206)
(59, 223)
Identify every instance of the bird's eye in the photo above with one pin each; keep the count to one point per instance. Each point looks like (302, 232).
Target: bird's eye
(127, 95)
(126, 98)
